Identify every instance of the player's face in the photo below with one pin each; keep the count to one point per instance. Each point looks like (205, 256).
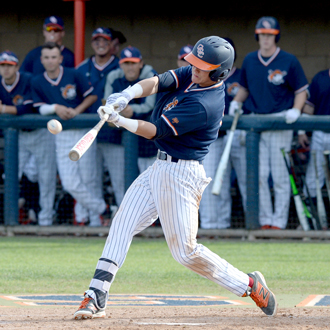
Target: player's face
(51, 59)
(200, 77)
(131, 70)
(102, 46)
(267, 41)
(8, 71)
(54, 35)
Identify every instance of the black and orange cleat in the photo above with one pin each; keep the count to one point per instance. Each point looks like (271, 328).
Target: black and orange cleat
(88, 310)
(261, 295)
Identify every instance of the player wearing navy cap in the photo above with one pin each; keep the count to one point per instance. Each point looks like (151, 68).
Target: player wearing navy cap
(35, 145)
(111, 151)
(272, 83)
(184, 123)
(53, 31)
(184, 51)
(215, 211)
(317, 104)
(95, 69)
(66, 92)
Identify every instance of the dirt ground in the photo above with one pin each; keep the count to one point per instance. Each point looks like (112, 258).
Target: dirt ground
(160, 318)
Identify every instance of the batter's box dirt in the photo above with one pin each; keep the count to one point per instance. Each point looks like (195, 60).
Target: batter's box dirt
(125, 300)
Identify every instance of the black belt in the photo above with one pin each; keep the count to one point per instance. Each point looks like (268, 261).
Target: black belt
(163, 156)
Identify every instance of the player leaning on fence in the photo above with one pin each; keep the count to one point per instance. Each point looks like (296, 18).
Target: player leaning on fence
(272, 83)
(185, 121)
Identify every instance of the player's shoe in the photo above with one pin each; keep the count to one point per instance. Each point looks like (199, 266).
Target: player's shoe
(261, 295)
(88, 310)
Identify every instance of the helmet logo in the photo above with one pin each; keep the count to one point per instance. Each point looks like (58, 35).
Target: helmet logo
(200, 50)
(266, 24)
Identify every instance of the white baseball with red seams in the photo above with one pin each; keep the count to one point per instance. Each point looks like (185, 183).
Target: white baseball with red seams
(54, 126)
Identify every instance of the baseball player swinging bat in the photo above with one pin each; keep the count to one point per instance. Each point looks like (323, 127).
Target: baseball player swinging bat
(86, 141)
(218, 179)
(319, 198)
(301, 208)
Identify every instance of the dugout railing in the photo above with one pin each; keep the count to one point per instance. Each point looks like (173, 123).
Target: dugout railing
(252, 124)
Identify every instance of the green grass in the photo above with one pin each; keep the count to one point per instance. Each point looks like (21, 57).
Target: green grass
(31, 265)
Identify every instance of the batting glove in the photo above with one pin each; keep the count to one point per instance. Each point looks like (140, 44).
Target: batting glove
(119, 100)
(292, 115)
(233, 107)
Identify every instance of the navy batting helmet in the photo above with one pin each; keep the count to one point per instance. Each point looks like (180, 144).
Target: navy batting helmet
(212, 54)
(268, 25)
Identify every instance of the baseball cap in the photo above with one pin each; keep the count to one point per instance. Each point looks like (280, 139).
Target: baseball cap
(130, 54)
(8, 57)
(185, 50)
(53, 23)
(102, 32)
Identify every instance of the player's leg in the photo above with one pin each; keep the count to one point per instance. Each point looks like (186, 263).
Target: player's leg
(319, 142)
(136, 212)
(43, 149)
(238, 159)
(114, 156)
(70, 176)
(177, 191)
(210, 208)
(281, 180)
(265, 201)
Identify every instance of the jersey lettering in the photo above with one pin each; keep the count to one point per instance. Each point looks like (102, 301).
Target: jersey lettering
(171, 105)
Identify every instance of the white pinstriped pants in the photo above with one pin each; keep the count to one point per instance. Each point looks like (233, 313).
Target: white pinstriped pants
(173, 191)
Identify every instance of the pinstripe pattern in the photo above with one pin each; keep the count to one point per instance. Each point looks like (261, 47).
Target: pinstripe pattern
(173, 191)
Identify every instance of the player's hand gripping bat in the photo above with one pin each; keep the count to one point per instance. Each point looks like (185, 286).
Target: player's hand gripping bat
(300, 205)
(218, 179)
(86, 141)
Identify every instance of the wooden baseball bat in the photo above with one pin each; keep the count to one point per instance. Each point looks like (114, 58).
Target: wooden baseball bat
(218, 179)
(301, 208)
(86, 141)
(326, 154)
(319, 198)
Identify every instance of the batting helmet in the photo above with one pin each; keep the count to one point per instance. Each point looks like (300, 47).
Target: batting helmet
(212, 54)
(268, 25)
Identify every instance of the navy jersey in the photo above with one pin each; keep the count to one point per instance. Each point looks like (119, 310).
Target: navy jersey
(69, 89)
(97, 74)
(272, 83)
(319, 91)
(18, 94)
(33, 65)
(187, 116)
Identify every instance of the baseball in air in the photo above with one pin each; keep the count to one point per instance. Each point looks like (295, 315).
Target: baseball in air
(54, 126)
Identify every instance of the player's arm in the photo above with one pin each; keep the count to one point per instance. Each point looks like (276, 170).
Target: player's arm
(9, 109)
(236, 103)
(85, 104)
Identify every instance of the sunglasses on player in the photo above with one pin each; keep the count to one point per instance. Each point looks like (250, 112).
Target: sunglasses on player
(53, 28)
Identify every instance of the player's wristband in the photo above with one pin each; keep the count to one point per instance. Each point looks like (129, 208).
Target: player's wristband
(130, 124)
(135, 91)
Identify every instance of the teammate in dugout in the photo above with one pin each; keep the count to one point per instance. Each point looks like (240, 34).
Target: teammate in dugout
(16, 99)
(67, 93)
(215, 211)
(185, 121)
(95, 69)
(272, 83)
(318, 103)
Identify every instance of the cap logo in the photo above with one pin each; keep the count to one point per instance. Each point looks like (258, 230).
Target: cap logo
(266, 25)
(99, 30)
(128, 53)
(200, 50)
(53, 19)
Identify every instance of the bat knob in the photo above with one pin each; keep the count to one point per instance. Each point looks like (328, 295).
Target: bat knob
(74, 155)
